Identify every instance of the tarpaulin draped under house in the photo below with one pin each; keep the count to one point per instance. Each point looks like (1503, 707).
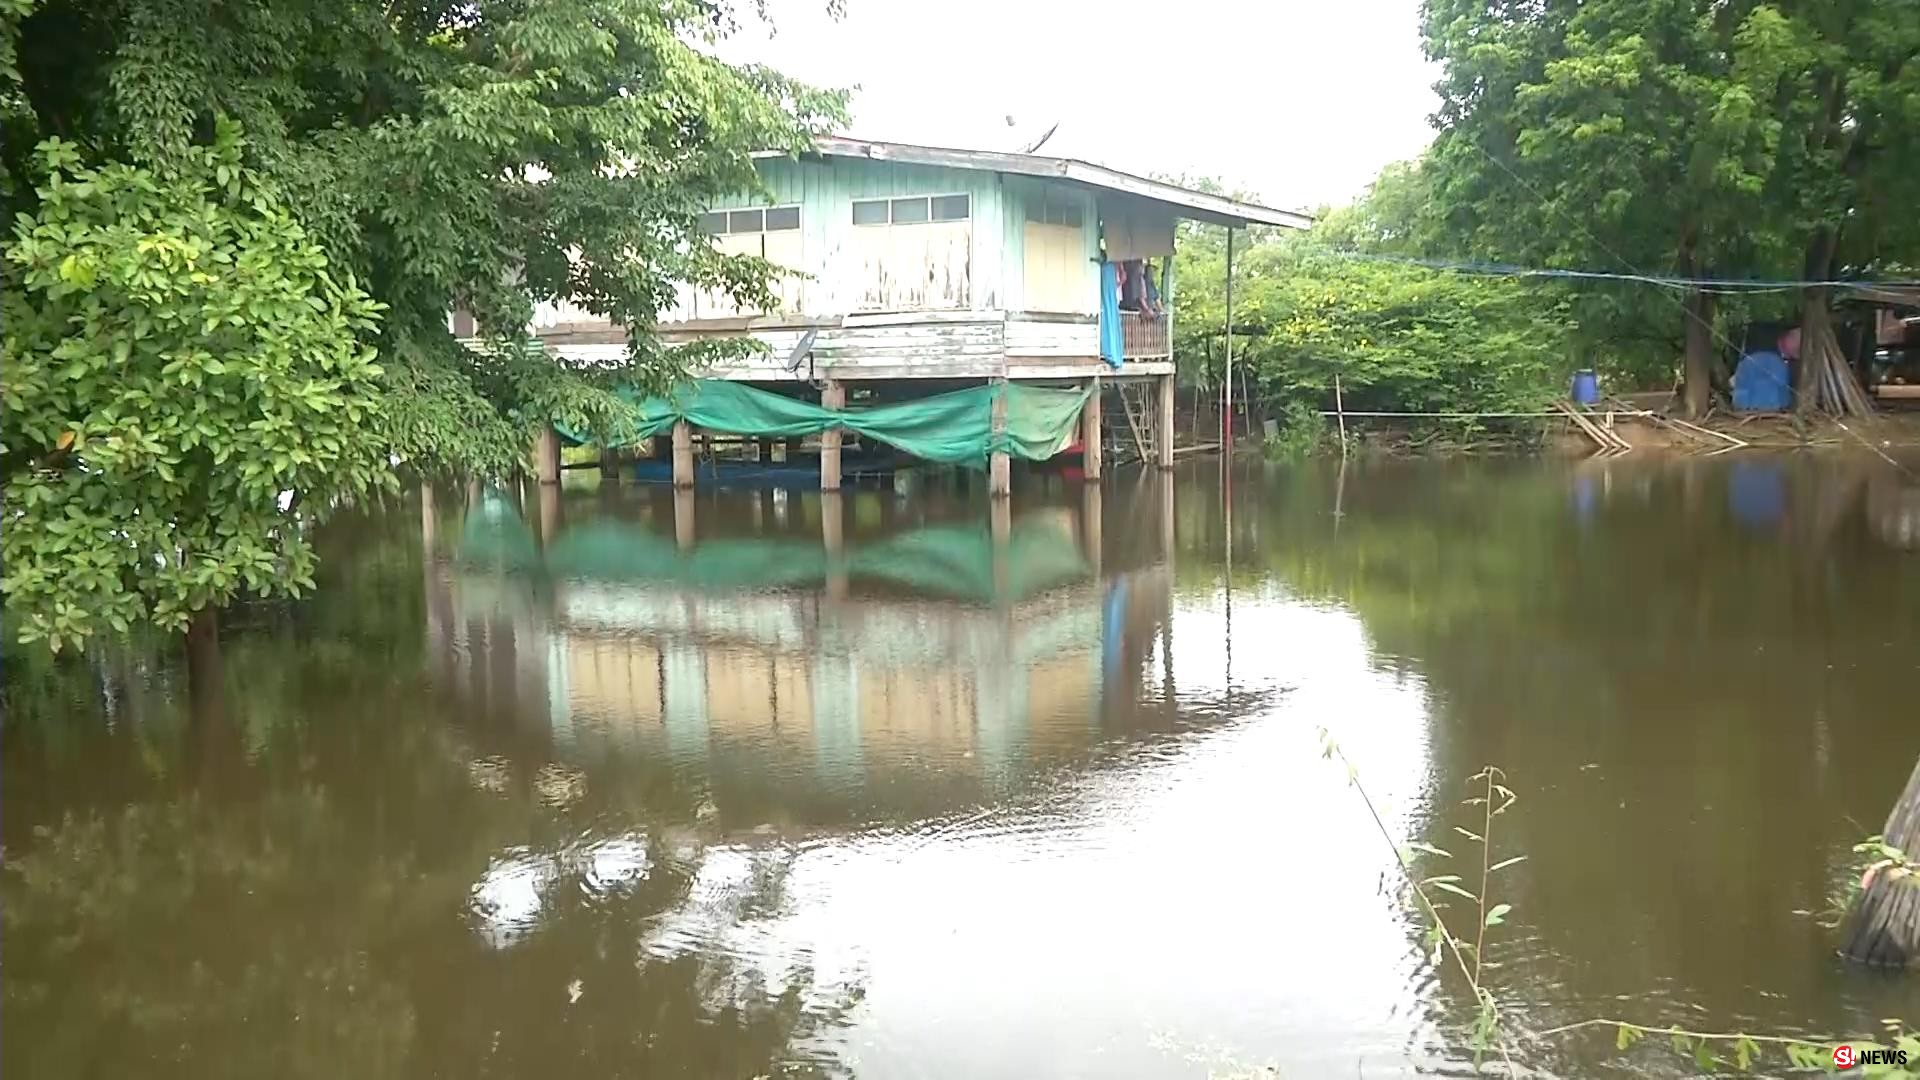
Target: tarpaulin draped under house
(954, 427)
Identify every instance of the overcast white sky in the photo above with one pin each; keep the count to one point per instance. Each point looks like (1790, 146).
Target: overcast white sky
(1300, 102)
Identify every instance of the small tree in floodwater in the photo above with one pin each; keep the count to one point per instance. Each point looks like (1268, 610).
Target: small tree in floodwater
(189, 387)
(1884, 927)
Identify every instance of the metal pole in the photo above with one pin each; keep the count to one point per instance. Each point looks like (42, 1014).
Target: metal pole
(1226, 391)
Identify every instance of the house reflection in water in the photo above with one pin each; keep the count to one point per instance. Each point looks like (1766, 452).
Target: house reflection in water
(969, 645)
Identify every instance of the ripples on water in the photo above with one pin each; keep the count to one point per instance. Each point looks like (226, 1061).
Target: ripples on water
(580, 791)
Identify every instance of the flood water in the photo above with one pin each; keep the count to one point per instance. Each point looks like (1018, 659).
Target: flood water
(757, 784)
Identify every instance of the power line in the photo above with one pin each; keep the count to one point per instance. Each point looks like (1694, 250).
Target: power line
(1726, 285)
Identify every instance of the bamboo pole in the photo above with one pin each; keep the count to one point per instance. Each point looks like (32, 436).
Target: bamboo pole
(1226, 384)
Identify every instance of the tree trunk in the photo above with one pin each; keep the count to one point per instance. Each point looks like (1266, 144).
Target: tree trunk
(1825, 380)
(1884, 928)
(215, 745)
(1697, 387)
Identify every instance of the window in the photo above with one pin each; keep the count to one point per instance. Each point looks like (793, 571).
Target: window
(770, 232)
(1054, 209)
(913, 253)
(736, 222)
(1059, 272)
(912, 210)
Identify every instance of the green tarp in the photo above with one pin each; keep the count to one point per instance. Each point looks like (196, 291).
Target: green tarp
(955, 427)
(947, 560)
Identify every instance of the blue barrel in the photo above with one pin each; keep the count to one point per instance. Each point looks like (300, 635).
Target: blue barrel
(1586, 387)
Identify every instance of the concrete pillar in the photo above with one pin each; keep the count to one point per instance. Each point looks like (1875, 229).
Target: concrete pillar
(833, 533)
(682, 454)
(834, 396)
(999, 464)
(546, 455)
(1090, 433)
(683, 518)
(1163, 422)
(609, 463)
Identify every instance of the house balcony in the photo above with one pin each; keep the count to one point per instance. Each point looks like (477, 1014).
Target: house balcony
(1145, 337)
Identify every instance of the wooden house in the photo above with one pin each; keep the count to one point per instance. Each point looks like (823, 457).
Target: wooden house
(918, 263)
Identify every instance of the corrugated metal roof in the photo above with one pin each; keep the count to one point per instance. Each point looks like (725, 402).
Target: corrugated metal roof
(1198, 205)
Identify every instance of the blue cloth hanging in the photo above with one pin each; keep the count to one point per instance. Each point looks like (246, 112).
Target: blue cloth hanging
(1112, 343)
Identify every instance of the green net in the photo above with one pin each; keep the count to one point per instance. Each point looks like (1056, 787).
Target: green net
(955, 561)
(955, 427)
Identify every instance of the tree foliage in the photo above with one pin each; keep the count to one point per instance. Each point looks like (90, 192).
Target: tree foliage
(1678, 136)
(448, 155)
(1400, 337)
(182, 363)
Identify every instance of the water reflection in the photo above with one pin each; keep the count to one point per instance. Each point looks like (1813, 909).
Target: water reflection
(624, 781)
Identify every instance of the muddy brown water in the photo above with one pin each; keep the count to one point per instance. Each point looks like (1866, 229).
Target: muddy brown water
(756, 784)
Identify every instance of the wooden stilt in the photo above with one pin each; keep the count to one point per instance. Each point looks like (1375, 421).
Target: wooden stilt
(833, 396)
(546, 455)
(609, 463)
(999, 464)
(1163, 422)
(682, 454)
(833, 519)
(1090, 434)
(1091, 525)
(683, 534)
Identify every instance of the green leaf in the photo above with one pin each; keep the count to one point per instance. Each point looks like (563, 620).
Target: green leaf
(1430, 849)
(1504, 863)
(1497, 914)
(1456, 890)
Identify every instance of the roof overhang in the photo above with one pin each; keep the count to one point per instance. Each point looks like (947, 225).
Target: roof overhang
(1183, 202)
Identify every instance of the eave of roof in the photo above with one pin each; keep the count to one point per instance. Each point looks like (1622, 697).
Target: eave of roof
(1198, 205)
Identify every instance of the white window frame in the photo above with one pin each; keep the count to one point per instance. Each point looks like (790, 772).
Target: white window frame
(1039, 203)
(762, 230)
(889, 200)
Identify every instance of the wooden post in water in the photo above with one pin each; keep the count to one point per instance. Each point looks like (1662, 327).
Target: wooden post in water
(1226, 384)
(546, 455)
(999, 465)
(1000, 524)
(1884, 928)
(1091, 525)
(683, 534)
(790, 450)
(429, 522)
(549, 514)
(833, 534)
(609, 463)
(832, 396)
(1164, 422)
(1090, 433)
(682, 454)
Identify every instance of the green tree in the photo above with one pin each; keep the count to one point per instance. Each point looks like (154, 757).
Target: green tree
(480, 156)
(189, 385)
(1617, 134)
(1400, 337)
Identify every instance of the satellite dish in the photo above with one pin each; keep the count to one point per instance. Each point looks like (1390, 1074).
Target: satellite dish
(1042, 140)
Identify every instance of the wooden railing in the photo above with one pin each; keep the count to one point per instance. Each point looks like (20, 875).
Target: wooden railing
(1144, 337)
